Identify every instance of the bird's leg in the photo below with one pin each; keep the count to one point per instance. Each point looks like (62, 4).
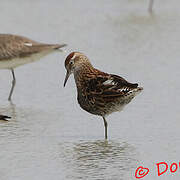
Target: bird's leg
(13, 84)
(150, 6)
(105, 125)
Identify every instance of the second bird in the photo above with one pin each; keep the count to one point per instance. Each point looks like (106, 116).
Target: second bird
(18, 50)
(99, 93)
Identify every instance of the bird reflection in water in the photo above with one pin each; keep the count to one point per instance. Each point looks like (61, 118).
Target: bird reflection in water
(98, 159)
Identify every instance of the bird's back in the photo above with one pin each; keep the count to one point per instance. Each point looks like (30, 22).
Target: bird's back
(14, 46)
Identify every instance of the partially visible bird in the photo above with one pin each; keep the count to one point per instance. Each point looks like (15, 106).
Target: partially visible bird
(18, 50)
(99, 93)
(150, 7)
(4, 118)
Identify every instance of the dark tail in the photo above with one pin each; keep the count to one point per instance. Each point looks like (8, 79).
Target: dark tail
(3, 117)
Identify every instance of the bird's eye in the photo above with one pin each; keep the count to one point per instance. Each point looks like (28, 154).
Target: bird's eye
(71, 62)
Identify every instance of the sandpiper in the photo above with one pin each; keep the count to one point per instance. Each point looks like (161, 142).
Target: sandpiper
(4, 118)
(99, 93)
(18, 50)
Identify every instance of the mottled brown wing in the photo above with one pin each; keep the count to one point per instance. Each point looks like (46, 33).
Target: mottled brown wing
(106, 88)
(13, 46)
(109, 86)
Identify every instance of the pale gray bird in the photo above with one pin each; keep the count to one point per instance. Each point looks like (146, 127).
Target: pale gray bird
(18, 50)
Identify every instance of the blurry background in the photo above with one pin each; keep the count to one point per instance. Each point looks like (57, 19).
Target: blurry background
(49, 136)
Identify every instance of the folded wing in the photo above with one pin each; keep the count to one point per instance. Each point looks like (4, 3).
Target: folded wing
(13, 46)
(109, 86)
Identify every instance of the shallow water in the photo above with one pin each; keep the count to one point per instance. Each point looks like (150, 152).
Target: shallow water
(49, 136)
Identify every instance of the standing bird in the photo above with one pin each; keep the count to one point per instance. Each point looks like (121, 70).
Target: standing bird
(99, 93)
(4, 118)
(17, 50)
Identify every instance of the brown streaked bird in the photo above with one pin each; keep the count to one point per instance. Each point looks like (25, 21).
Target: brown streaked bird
(18, 50)
(4, 118)
(99, 93)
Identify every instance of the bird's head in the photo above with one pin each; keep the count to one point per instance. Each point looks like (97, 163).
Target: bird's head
(74, 62)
